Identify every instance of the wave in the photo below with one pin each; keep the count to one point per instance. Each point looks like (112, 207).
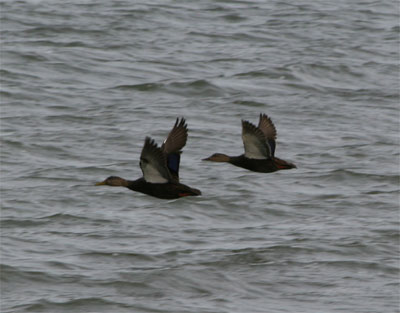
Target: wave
(193, 87)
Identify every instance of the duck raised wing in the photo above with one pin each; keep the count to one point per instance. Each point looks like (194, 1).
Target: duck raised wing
(176, 138)
(153, 163)
(254, 141)
(173, 145)
(268, 128)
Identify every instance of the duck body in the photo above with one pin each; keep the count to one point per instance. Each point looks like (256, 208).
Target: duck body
(269, 165)
(160, 168)
(255, 165)
(162, 190)
(259, 146)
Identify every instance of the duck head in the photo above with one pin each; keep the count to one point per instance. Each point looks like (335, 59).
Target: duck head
(114, 181)
(218, 157)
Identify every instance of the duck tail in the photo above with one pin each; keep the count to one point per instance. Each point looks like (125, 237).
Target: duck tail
(283, 165)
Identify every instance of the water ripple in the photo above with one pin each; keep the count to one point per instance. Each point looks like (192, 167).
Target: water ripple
(84, 83)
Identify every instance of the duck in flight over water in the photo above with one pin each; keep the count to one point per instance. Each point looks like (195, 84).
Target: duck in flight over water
(160, 167)
(259, 149)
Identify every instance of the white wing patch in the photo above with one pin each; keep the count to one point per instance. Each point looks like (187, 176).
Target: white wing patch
(151, 174)
(253, 148)
(254, 141)
(153, 164)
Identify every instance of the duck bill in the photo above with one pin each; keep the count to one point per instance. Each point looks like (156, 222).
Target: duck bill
(100, 183)
(206, 159)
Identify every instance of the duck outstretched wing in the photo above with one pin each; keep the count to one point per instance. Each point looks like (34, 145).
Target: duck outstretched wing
(254, 141)
(173, 145)
(176, 138)
(153, 163)
(268, 128)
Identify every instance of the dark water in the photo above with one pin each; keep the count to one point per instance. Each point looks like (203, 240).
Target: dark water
(84, 83)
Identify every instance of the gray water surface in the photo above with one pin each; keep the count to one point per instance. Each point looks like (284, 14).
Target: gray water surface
(83, 83)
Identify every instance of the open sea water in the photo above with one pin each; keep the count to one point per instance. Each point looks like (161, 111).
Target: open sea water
(84, 82)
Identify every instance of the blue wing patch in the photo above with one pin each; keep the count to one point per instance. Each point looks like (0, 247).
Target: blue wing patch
(272, 144)
(173, 160)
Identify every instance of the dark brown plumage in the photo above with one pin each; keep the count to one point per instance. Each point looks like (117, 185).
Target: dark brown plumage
(160, 167)
(259, 146)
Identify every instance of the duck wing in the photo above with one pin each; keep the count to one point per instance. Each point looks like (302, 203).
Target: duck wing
(268, 128)
(176, 138)
(172, 146)
(254, 141)
(153, 163)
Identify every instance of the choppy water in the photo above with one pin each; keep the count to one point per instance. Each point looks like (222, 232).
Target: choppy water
(84, 83)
